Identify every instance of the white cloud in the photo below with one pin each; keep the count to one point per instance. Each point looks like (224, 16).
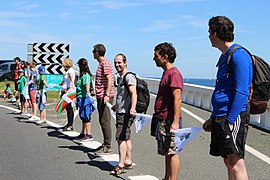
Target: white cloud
(195, 21)
(12, 24)
(159, 26)
(65, 15)
(25, 6)
(15, 14)
(177, 1)
(115, 5)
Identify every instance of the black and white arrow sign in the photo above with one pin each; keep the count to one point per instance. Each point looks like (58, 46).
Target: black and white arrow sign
(48, 47)
(53, 69)
(49, 58)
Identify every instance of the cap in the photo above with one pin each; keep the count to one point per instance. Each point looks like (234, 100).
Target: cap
(21, 70)
(41, 69)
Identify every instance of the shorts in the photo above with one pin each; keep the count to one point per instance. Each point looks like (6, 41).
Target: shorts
(33, 96)
(123, 126)
(41, 106)
(22, 98)
(165, 139)
(224, 141)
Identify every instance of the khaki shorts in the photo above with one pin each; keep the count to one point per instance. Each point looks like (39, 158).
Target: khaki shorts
(165, 139)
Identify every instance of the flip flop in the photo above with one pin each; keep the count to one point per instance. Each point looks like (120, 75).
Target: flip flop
(128, 166)
(117, 171)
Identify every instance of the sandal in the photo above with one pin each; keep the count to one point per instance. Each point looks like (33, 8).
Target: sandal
(128, 166)
(117, 171)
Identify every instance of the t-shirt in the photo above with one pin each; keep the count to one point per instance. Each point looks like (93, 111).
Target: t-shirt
(40, 83)
(164, 105)
(33, 85)
(101, 82)
(123, 98)
(17, 68)
(67, 80)
(23, 80)
(9, 90)
(81, 88)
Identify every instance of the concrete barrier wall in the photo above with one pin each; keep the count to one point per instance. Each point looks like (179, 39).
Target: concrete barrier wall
(200, 96)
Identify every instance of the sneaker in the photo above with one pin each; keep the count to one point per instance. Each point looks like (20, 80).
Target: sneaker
(13, 99)
(41, 122)
(64, 127)
(103, 150)
(24, 113)
(87, 137)
(70, 128)
(33, 118)
(79, 137)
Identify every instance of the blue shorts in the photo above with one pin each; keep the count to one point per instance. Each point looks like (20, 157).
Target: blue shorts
(41, 106)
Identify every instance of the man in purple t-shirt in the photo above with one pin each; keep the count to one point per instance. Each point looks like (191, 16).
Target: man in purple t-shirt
(168, 107)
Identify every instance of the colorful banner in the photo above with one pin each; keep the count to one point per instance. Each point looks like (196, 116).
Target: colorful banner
(67, 98)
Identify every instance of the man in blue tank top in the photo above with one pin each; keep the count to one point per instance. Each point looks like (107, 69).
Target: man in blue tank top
(229, 120)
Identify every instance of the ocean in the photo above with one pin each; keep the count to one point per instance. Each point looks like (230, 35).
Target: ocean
(203, 82)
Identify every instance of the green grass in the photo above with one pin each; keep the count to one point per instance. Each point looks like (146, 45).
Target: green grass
(51, 95)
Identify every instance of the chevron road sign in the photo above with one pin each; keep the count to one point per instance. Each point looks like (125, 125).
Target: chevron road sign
(47, 58)
(48, 47)
(53, 69)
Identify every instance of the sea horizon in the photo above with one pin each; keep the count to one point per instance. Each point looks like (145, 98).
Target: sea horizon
(210, 82)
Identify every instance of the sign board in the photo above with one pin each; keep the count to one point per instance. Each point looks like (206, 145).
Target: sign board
(53, 68)
(47, 58)
(49, 55)
(48, 47)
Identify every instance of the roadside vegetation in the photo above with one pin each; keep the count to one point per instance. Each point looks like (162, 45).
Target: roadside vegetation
(51, 95)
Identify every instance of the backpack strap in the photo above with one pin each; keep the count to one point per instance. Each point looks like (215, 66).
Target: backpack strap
(239, 47)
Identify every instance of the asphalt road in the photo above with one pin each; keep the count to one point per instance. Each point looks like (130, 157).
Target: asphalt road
(31, 152)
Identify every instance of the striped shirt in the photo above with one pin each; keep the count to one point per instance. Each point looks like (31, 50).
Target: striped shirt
(101, 82)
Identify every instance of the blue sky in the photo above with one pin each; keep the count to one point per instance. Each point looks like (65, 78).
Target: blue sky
(133, 28)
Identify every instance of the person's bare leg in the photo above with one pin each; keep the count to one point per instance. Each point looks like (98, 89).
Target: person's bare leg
(122, 149)
(236, 167)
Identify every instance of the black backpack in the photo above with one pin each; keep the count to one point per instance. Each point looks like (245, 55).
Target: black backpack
(260, 88)
(143, 95)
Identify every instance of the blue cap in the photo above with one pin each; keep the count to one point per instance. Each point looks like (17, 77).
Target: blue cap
(21, 70)
(41, 70)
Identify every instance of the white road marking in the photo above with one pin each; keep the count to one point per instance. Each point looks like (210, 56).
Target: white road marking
(251, 150)
(144, 177)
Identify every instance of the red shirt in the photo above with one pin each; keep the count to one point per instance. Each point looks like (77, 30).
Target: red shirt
(18, 67)
(164, 105)
(101, 81)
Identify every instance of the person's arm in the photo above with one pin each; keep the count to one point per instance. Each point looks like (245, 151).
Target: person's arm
(177, 99)
(108, 90)
(45, 82)
(87, 84)
(240, 65)
(72, 79)
(133, 98)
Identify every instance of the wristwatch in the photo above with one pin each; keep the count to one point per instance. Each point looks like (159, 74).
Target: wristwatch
(107, 94)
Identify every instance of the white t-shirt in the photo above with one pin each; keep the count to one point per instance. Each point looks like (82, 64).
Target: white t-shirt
(67, 80)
